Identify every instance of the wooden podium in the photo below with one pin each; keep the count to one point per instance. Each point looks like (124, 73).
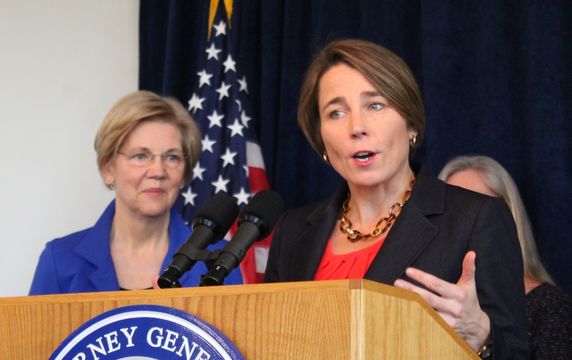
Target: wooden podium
(346, 319)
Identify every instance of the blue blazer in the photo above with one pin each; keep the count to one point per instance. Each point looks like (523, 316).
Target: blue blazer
(81, 262)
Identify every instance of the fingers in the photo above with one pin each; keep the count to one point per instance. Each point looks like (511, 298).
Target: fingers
(458, 304)
(469, 268)
(432, 299)
(433, 283)
(443, 287)
(406, 285)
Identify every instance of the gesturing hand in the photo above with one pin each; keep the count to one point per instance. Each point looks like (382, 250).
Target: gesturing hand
(457, 303)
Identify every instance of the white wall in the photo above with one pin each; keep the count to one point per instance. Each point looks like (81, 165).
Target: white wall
(62, 65)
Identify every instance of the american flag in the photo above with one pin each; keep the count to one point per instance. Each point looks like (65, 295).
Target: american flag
(231, 160)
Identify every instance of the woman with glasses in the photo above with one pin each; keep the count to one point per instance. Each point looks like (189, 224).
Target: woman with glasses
(146, 149)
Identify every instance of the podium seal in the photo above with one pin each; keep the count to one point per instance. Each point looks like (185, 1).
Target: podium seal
(146, 332)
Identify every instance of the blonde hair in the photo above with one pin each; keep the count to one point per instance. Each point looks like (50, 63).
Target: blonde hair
(502, 184)
(142, 106)
(386, 71)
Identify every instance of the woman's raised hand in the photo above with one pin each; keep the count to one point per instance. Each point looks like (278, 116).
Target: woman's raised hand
(457, 303)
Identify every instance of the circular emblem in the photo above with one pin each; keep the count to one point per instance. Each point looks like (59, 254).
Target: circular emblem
(146, 332)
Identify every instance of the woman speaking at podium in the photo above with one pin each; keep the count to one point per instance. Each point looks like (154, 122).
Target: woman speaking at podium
(146, 149)
(361, 110)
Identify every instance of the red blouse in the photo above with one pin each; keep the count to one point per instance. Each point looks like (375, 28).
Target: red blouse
(352, 265)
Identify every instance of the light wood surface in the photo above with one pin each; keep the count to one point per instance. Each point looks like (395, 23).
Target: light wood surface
(353, 319)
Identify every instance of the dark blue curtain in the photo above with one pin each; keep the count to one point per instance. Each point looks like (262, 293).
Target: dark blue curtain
(496, 78)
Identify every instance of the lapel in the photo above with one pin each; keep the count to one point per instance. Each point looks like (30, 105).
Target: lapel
(94, 248)
(412, 231)
(178, 233)
(410, 234)
(311, 244)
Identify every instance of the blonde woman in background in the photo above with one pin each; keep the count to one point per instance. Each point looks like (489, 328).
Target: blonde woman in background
(549, 309)
(146, 148)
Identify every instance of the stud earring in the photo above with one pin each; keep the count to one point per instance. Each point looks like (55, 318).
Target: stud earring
(325, 158)
(110, 184)
(413, 140)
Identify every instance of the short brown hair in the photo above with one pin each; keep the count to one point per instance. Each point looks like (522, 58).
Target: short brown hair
(386, 71)
(142, 106)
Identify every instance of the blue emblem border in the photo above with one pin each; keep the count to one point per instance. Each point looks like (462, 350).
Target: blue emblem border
(207, 332)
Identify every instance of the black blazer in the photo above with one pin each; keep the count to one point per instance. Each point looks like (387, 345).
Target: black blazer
(434, 231)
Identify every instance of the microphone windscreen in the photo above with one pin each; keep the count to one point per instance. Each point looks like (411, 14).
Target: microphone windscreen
(267, 206)
(222, 210)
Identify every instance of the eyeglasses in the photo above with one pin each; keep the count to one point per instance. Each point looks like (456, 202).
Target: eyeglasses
(171, 159)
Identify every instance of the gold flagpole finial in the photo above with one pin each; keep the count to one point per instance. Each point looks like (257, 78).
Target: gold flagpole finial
(212, 12)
